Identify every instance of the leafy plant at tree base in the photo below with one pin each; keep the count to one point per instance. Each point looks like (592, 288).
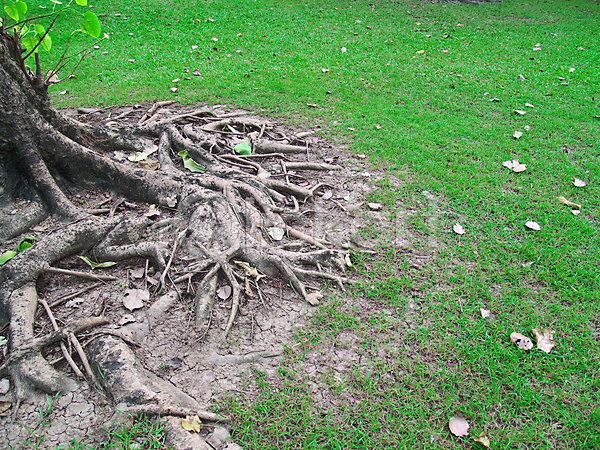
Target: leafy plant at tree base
(32, 35)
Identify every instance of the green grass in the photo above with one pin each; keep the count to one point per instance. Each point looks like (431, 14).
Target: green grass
(440, 133)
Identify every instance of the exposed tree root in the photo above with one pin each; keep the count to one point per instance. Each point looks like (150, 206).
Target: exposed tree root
(226, 216)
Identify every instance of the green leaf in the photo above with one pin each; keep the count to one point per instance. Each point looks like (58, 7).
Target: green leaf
(29, 43)
(243, 148)
(47, 41)
(91, 25)
(81, 2)
(21, 7)
(95, 265)
(25, 243)
(190, 164)
(12, 12)
(7, 256)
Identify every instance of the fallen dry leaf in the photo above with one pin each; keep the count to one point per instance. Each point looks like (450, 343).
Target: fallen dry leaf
(127, 318)
(4, 406)
(192, 423)
(517, 134)
(420, 52)
(137, 273)
(314, 297)
(579, 183)
(544, 338)
(135, 298)
(515, 166)
(533, 225)
(520, 112)
(529, 105)
(152, 211)
(250, 271)
(174, 89)
(575, 212)
(521, 341)
(458, 426)
(327, 195)
(375, 206)
(569, 203)
(324, 70)
(483, 440)
(458, 229)
(276, 233)
(572, 69)
(224, 292)
(484, 313)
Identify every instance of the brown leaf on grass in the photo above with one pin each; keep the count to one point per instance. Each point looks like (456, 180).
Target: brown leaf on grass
(135, 298)
(192, 423)
(483, 440)
(484, 313)
(529, 105)
(579, 183)
(544, 338)
(575, 212)
(533, 225)
(521, 341)
(569, 203)
(458, 426)
(520, 112)
(515, 166)
(458, 228)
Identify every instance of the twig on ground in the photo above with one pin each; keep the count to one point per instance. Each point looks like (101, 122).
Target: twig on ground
(89, 276)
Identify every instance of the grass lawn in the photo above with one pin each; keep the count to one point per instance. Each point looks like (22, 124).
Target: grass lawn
(410, 84)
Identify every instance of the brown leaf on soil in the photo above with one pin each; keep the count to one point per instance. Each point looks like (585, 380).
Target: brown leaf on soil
(314, 297)
(192, 423)
(224, 292)
(544, 338)
(4, 406)
(458, 426)
(521, 341)
(135, 298)
(375, 206)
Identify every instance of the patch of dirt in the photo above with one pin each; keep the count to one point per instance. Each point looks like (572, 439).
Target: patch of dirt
(201, 362)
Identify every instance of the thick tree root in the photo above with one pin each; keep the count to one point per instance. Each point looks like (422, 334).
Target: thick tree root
(230, 218)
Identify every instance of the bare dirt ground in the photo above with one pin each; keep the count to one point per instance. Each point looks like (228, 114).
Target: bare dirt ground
(200, 362)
